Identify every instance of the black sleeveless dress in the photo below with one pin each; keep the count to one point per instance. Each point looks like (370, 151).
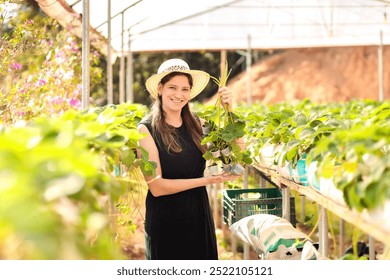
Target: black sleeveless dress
(180, 226)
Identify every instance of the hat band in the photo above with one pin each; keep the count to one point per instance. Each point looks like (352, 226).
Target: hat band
(176, 68)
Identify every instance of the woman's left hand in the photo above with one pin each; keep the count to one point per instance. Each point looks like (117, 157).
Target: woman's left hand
(226, 96)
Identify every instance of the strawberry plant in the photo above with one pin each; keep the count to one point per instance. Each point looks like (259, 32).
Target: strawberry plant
(222, 129)
(57, 176)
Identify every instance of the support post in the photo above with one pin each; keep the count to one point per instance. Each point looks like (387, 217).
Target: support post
(371, 245)
(110, 94)
(122, 63)
(380, 66)
(248, 72)
(129, 80)
(303, 212)
(246, 185)
(85, 56)
(286, 203)
(342, 236)
(323, 231)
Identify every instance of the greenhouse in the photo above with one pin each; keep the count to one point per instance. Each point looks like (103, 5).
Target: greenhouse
(299, 93)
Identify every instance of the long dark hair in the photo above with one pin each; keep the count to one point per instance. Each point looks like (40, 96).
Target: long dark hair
(168, 132)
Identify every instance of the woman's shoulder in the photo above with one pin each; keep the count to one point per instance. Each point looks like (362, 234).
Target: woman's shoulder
(145, 125)
(146, 121)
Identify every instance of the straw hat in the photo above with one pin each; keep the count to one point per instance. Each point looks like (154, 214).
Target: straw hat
(200, 78)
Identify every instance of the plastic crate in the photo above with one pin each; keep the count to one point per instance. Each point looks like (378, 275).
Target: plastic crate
(240, 203)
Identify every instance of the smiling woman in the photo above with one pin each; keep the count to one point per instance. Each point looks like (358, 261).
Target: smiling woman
(179, 224)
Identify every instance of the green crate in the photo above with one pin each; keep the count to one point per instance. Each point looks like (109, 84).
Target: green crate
(240, 203)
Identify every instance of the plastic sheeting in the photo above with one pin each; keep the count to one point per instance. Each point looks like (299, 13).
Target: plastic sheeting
(259, 24)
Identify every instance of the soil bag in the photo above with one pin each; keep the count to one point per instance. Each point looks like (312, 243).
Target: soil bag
(272, 237)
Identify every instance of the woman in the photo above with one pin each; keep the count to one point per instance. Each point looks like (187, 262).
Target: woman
(179, 224)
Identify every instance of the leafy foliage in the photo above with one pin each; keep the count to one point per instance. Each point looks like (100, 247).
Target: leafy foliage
(58, 174)
(350, 142)
(225, 128)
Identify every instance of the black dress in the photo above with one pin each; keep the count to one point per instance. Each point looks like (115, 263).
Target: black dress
(180, 226)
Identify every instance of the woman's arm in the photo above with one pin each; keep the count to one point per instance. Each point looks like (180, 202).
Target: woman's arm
(159, 186)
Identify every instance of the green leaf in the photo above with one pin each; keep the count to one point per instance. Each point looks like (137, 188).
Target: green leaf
(149, 168)
(315, 123)
(373, 195)
(350, 167)
(128, 157)
(292, 153)
(300, 119)
(327, 168)
(306, 132)
(351, 198)
(292, 144)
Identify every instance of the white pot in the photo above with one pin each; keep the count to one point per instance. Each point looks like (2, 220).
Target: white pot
(237, 169)
(284, 170)
(226, 167)
(311, 170)
(210, 145)
(213, 169)
(206, 129)
(216, 154)
(328, 189)
(226, 152)
(267, 155)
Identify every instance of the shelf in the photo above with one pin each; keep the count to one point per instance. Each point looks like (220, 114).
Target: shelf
(351, 216)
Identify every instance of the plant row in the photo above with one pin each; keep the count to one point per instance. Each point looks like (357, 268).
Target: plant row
(57, 177)
(342, 148)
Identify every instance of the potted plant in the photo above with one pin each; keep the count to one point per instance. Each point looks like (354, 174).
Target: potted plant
(224, 129)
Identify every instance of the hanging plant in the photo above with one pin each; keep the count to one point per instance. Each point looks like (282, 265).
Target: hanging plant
(222, 128)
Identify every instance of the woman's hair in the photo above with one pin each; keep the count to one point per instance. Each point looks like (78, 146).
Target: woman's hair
(168, 132)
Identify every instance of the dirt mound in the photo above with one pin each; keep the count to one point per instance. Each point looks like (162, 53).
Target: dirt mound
(320, 74)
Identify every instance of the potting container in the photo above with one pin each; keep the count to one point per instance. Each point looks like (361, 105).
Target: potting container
(240, 203)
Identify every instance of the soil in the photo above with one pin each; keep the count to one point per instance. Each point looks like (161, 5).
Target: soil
(134, 246)
(320, 74)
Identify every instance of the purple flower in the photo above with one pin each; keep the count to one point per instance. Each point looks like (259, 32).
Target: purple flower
(75, 103)
(16, 66)
(29, 21)
(60, 57)
(41, 82)
(56, 100)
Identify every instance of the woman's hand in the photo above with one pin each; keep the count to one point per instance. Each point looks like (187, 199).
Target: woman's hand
(226, 96)
(215, 179)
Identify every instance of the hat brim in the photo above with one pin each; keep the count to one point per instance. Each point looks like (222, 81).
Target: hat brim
(200, 81)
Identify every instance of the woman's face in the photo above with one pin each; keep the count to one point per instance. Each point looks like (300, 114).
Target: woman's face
(175, 93)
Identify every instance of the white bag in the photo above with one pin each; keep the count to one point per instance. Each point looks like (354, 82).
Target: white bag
(271, 235)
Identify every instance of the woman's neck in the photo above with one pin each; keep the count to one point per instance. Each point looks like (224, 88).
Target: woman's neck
(174, 119)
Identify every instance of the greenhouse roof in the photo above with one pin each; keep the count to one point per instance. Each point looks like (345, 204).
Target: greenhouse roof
(221, 24)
